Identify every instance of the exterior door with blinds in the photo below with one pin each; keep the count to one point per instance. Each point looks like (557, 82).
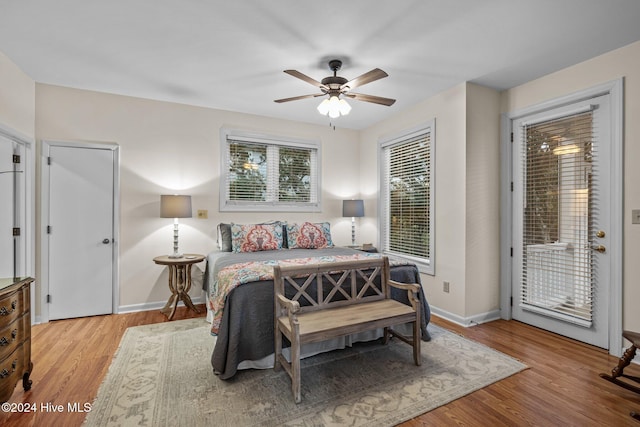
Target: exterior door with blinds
(561, 219)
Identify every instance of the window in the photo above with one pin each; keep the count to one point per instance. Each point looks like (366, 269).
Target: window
(407, 196)
(265, 173)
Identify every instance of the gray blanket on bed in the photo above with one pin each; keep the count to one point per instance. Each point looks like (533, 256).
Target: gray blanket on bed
(246, 329)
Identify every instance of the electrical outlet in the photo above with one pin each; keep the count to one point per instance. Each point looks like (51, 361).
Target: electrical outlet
(635, 216)
(445, 287)
(203, 214)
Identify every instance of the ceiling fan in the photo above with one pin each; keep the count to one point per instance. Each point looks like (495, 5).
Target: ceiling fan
(334, 86)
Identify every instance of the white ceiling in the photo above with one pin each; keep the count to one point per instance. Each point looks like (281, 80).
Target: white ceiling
(230, 54)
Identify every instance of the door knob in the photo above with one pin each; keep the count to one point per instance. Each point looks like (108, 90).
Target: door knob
(600, 234)
(106, 241)
(599, 248)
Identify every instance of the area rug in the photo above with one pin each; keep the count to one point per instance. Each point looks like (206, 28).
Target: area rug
(161, 376)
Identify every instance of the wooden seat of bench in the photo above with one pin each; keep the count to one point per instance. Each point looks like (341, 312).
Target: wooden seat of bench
(328, 323)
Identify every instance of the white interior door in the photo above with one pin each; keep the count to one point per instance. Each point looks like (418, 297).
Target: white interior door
(80, 231)
(562, 220)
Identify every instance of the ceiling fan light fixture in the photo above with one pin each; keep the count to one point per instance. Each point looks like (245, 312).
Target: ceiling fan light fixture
(323, 108)
(334, 107)
(345, 108)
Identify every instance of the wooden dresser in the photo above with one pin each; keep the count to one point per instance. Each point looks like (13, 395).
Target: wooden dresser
(15, 335)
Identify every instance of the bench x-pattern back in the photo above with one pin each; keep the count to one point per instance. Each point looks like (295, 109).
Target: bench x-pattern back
(336, 299)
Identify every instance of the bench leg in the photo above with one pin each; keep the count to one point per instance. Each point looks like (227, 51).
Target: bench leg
(295, 369)
(416, 343)
(278, 348)
(385, 336)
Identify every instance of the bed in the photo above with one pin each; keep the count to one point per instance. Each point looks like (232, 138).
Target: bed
(244, 327)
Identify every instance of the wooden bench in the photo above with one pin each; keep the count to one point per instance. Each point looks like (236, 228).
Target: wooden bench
(337, 299)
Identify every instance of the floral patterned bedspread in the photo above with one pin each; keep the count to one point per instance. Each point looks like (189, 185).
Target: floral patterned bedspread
(234, 275)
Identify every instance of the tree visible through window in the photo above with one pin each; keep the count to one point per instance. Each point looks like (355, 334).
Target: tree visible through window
(247, 171)
(541, 207)
(294, 174)
(409, 197)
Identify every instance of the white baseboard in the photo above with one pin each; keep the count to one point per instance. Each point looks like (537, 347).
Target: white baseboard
(133, 308)
(138, 307)
(466, 321)
(148, 306)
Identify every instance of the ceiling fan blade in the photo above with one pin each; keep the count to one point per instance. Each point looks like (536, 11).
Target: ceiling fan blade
(368, 77)
(370, 98)
(295, 98)
(306, 78)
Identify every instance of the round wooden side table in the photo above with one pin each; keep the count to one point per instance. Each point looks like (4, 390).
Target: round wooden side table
(179, 281)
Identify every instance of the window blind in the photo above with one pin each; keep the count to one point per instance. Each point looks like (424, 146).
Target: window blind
(247, 174)
(559, 193)
(295, 171)
(262, 174)
(406, 186)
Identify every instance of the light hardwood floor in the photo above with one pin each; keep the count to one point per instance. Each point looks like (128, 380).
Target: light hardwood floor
(560, 388)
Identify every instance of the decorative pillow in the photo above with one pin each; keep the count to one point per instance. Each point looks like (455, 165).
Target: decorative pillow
(224, 237)
(256, 237)
(309, 235)
(283, 224)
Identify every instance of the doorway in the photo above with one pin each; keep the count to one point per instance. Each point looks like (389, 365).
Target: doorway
(12, 188)
(565, 210)
(17, 218)
(79, 229)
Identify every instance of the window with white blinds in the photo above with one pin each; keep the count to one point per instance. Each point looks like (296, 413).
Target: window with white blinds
(407, 196)
(558, 216)
(262, 173)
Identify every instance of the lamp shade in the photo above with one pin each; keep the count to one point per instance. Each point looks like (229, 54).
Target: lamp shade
(174, 206)
(353, 208)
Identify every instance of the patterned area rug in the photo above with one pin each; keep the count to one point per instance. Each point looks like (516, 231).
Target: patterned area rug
(162, 376)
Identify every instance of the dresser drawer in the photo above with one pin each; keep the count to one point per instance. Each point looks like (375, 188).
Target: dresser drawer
(11, 371)
(12, 306)
(13, 334)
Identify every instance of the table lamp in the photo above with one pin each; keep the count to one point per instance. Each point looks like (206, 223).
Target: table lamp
(353, 208)
(174, 206)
